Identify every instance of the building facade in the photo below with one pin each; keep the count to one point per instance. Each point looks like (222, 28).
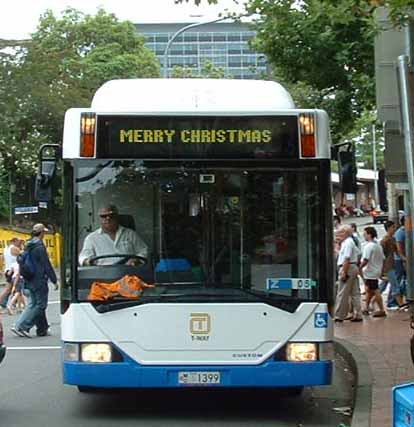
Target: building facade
(223, 44)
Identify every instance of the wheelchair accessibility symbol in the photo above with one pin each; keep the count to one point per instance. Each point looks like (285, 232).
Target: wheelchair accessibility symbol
(321, 320)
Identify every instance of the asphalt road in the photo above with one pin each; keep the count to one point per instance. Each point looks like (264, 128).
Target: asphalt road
(32, 394)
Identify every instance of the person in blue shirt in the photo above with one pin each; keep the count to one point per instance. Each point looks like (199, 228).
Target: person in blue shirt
(400, 261)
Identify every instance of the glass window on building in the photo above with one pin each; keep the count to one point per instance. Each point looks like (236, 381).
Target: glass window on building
(190, 61)
(177, 61)
(219, 37)
(190, 37)
(160, 48)
(220, 48)
(206, 47)
(248, 35)
(190, 50)
(161, 37)
(234, 62)
(205, 37)
(234, 37)
(234, 50)
(149, 38)
(176, 49)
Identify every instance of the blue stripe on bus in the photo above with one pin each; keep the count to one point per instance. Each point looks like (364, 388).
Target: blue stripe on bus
(130, 374)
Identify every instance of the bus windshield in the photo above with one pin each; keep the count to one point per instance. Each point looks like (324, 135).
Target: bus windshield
(205, 227)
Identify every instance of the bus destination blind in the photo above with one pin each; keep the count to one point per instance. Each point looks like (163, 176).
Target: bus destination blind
(199, 137)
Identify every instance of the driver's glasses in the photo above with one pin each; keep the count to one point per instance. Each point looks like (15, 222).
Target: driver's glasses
(107, 216)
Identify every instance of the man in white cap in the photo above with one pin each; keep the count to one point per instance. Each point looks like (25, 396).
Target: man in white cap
(347, 277)
(37, 287)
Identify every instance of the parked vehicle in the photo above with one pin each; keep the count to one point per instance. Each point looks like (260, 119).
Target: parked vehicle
(378, 216)
(2, 346)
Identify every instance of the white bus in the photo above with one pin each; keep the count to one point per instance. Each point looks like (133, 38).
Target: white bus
(228, 186)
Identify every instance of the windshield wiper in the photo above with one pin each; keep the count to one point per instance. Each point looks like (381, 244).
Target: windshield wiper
(117, 304)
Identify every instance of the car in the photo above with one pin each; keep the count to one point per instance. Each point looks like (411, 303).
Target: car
(378, 216)
(2, 346)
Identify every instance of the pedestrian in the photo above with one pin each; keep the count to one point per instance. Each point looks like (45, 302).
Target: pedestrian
(389, 247)
(355, 236)
(17, 298)
(37, 287)
(347, 277)
(337, 221)
(400, 257)
(10, 254)
(371, 270)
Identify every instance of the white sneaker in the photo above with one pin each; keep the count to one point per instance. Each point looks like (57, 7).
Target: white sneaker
(20, 332)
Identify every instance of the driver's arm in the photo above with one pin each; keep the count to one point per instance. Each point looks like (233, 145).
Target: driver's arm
(140, 247)
(87, 251)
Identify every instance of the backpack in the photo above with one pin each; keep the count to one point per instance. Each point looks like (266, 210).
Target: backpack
(27, 267)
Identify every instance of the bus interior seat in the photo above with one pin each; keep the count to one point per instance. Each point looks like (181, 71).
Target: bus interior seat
(127, 221)
(169, 270)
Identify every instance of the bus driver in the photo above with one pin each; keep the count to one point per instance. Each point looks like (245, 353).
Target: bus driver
(111, 238)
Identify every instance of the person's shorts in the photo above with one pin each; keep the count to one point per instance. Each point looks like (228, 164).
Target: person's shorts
(371, 284)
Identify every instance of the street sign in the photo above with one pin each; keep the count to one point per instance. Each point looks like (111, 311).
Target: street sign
(23, 210)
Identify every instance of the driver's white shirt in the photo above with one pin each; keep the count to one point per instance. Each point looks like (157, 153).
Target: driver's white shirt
(98, 243)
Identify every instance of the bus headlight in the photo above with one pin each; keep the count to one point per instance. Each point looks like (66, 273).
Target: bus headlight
(301, 352)
(96, 353)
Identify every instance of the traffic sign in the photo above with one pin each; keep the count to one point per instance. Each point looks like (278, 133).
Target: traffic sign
(23, 210)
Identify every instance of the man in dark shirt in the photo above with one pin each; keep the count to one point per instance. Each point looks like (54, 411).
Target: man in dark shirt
(37, 287)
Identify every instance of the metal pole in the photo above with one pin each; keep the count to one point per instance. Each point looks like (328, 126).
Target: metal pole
(10, 198)
(407, 125)
(180, 31)
(374, 165)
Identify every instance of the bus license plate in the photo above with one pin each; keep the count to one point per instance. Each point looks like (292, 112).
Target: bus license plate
(199, 377)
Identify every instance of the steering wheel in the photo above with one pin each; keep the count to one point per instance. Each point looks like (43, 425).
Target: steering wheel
(124, 258)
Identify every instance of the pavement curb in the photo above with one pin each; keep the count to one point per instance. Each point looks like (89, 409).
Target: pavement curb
(361, 416)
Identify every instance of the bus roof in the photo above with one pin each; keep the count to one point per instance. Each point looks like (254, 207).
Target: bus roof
(183, 95)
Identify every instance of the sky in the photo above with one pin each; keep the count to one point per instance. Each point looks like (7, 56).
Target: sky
(19, 18)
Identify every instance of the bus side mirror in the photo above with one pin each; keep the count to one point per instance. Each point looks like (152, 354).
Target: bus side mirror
(47, 168)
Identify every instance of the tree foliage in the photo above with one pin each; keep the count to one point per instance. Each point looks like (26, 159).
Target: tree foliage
(208, 71)
(323, 52)
(62, 65)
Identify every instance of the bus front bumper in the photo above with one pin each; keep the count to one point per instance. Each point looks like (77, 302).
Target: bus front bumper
(129, 374)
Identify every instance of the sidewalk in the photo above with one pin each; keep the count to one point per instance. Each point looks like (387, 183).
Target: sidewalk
(385, 342)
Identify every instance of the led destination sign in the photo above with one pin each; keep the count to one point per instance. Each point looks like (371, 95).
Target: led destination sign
(197, 137)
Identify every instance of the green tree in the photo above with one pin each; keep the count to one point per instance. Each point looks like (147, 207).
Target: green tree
(322, 51)
(208, 71)
(62, 65)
